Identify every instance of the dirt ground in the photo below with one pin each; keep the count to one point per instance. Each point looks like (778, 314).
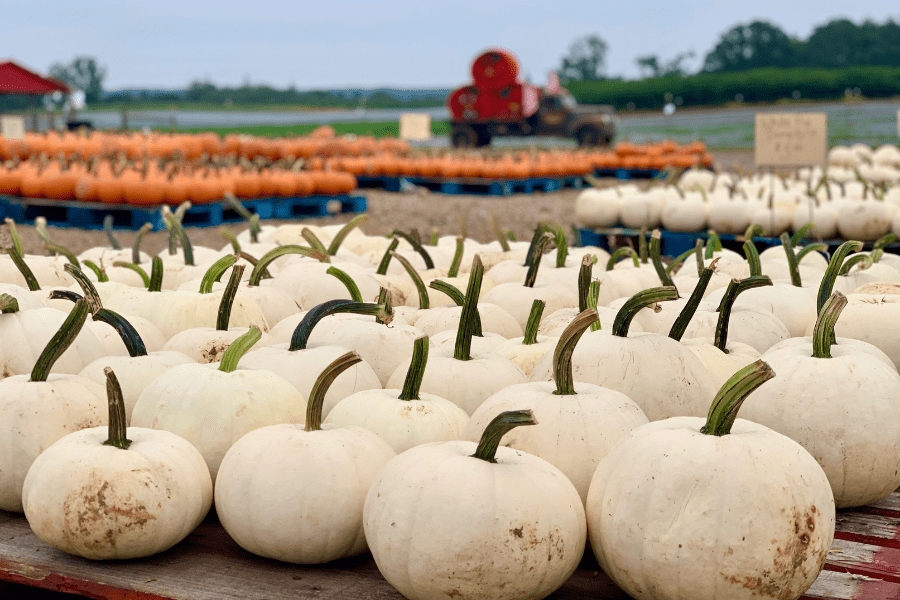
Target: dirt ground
(388, 211)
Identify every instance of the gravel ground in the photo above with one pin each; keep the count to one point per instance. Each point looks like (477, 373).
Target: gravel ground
(387, 211)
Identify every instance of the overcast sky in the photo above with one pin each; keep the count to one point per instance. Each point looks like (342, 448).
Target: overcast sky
(361, 43)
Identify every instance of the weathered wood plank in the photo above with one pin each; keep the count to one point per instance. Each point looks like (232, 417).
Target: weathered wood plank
(832, 585)
(866, 528)
(865, 559)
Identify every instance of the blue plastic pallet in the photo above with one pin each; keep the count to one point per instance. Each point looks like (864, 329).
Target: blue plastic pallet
(476, 186)
(90, 215)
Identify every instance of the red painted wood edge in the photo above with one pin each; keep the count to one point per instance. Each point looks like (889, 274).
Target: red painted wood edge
(45, 578)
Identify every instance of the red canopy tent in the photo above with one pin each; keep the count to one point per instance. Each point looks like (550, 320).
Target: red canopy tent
(15, 79)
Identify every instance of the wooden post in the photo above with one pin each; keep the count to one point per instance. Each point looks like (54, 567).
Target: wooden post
(124, 119)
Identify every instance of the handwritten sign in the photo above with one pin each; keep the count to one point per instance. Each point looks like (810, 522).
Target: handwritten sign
(790, 139)
(12, 127)
(415, 127)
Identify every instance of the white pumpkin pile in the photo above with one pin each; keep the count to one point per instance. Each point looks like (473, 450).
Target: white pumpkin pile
(462, 410)
(856, 197)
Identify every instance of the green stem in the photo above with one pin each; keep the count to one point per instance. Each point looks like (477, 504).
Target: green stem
(136, 249)
(753, 231)
(800, 234)
(620, 254)
(40, 226)
(690, 309)
(462, 349)
(453, 271)
(495, 226)
(656, 257)
(752, 255)
(534, 321)
(223, 317)
(100, 273)
(90, 292)
(8, 304)
(678, 260)
(238, 348)
(300, 338)
(424, 301)
(584, 280)
(810, 248)
(130, 337)
(728, 401)
(864, 260)
(450, 290)
(698, 253)
(384, 298)
(108, 229)
(539, 249)
(429, 264)
(348, 282)
(315, 243)
(562, 247)
(416, 371)
(834, 268)
(18, 260)
(793, 267)
(241, 210)
(634, 304)
(497, 428)
(562, 355)
(643, 251)
(253, 262)
(593, 298)
(14, 234)
(343, 232)
(266, 259)
(716, 242)
(433, 238)
(735, 288)
(60, 341)
(186, 246)
(823, 333)
(156, 275)
(386, 257)
(884, 240)
(215, 272)
(117, 418)
(65, 295)
(232, 239)
(539, 232)
(320, 388)
(54, 249)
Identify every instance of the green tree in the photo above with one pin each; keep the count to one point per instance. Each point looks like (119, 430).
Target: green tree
(842, 43)
(585, 61)
(754, 45)
(84, 74)
(651, 66)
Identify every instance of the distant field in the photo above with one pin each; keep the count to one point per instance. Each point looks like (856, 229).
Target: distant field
(377, 129)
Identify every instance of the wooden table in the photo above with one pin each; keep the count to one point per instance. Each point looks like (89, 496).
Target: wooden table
(864, 564)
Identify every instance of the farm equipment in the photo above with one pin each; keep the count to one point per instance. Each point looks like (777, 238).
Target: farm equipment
(498, 104)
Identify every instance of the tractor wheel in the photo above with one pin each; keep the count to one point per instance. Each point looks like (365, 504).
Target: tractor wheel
(588, 136)
(464, 136)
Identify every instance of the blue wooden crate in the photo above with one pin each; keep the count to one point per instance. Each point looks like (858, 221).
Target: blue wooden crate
(474, 186)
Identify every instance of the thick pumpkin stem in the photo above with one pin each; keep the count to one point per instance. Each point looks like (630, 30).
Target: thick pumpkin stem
(300, 338)
(117, 432)
(713, 244)
(108, 229)
(157, 270)
(800, 234)
(539, 232)
(55, 249)
(884, 240)
(429, 264)
(640, 300)
(584, 280)
(562, 246)
(14, 234)
(656, 257)
(728, 401)
(542, 245)
(620, 254)
(226, 304)
(386, 257)
(87, 286)
(678, 260)
(462, 349)
(453, 271)
(99, 272)
(266, 259)
(643, 251)
(238, 348)
(534, 321)
(424, 300)
(253, 262)
(314, 242)
(793, 265)
(232, 239)
(240, 209)
(348, 282)
(459, 299)
(834, 268)
(413, 382)
(809, 249)
(320, 388)
(735, 288)
(65, 295)
(497, 428)
(186, 247)
(495, 226)
(8, 304)
(823, 333)
(698, 254)
(863, 260)
(343, 232)
(215, 272)
(690, 309)
(60, 341)
(752, 255)
(18, 259)
(753, 231)
(130, 337)
(384, 298)
(593, 299)
(136, 248)
(562, 355)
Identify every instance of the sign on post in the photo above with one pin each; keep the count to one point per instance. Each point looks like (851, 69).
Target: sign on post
(415, 127)
(790, 139)
(12, 127)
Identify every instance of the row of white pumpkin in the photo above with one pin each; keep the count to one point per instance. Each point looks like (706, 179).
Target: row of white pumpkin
(553, 577)
(777, 206)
